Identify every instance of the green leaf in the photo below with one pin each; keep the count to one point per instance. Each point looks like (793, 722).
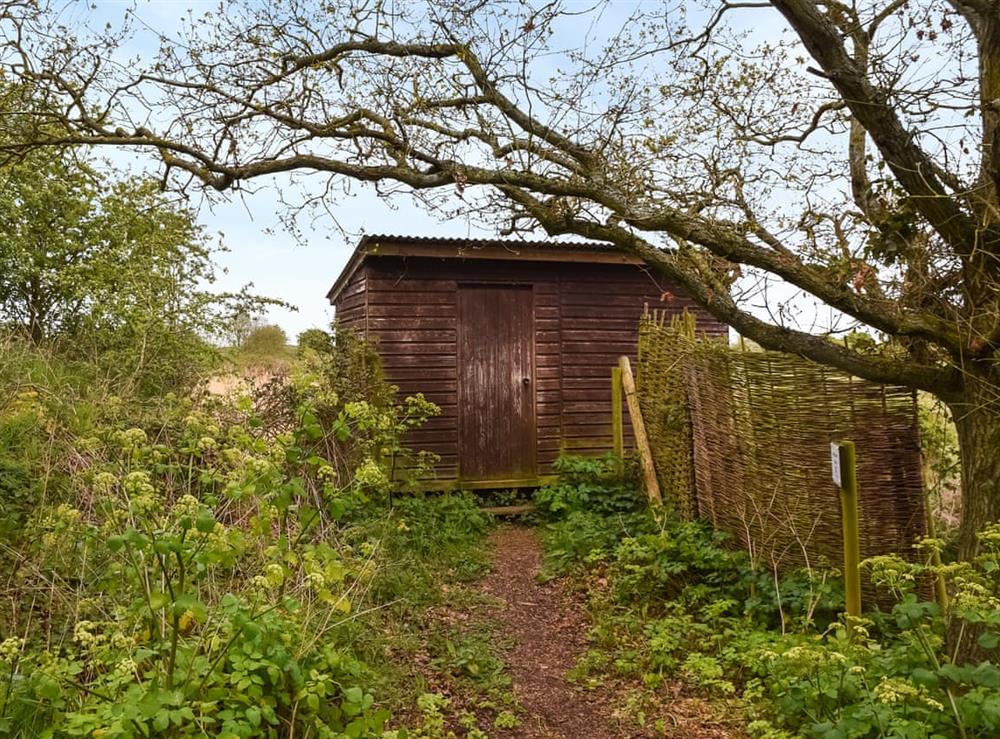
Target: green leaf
(161, 720)
(189, 602)
(205, 523)
(923, 676)
(988, 640)
(162, 546)
(47, 689)
(253, 716)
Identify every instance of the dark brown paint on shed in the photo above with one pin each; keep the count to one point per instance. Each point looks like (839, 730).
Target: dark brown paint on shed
(513, 340)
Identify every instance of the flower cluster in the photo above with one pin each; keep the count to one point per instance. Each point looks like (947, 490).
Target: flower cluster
(10, 649)
(131, 440)
(140, 493)
(898, 690)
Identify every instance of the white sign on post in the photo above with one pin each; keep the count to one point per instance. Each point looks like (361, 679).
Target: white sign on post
(835, 463)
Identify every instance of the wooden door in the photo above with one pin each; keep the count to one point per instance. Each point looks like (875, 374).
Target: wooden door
(496, 383)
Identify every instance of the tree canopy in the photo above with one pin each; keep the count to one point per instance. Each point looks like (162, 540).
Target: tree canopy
(115, 269)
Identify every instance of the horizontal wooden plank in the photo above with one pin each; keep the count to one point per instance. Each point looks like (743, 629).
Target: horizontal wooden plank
(446, 450)
(412, 311)
(576, 406)
(400, 323)
(425, 385)
(400, 361)
(548, 409)
(601, 433)
(605, 323)
(582, 416)
(416, 334)
(350, 317)
(640, 284)
(402, 374)
(427, 433)
(595, 359)
(397, 348)
(571, 313)
(585, 375)
(592, 395)
(603, 299)
(582, 448)
(598, 348)
(447, 402)
(351, 303)
(410, 297)
(405, 284)
(573, 333)
(590, 382)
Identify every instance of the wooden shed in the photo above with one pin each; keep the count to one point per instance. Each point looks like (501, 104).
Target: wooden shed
(514, 340)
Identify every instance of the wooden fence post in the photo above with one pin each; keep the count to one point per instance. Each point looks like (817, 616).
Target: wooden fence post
(617, 422)
(650, 482)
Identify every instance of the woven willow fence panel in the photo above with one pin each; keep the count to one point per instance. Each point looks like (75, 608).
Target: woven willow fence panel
(742, 438)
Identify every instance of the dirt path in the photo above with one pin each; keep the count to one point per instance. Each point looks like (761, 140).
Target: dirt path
(548, 629)
(548, 633)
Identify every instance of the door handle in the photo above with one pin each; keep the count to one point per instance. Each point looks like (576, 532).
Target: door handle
(526, 381)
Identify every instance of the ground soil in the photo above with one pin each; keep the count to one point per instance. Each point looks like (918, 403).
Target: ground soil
(547, 626)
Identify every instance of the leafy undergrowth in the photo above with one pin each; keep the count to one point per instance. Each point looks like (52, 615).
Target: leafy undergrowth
(225, 568)
(669, 601)
(434, 648)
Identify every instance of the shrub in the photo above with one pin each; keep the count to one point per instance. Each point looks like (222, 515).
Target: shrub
(315, 339)
(265, 341)
(356, 420)
(200, 572)
(202, 583)
(600, 485)
(594, 504)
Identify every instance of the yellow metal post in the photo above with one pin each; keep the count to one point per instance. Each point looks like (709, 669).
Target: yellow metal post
(852, 539)
(617, 422)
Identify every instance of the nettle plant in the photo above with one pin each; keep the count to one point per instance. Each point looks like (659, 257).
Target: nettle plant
(194, 587)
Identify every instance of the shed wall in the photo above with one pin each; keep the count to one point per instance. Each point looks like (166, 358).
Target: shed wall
(352, 303)
(585, 317)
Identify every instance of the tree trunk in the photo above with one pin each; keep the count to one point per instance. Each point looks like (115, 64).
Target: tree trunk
(977, 419)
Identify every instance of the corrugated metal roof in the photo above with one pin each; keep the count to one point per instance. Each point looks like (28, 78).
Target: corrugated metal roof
(511, 244)
(374, 245)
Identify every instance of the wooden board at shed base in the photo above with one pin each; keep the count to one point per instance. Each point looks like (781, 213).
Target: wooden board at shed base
(496, 398)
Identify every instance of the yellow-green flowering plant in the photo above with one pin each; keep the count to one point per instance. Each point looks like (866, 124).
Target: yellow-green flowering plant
(200, 583)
